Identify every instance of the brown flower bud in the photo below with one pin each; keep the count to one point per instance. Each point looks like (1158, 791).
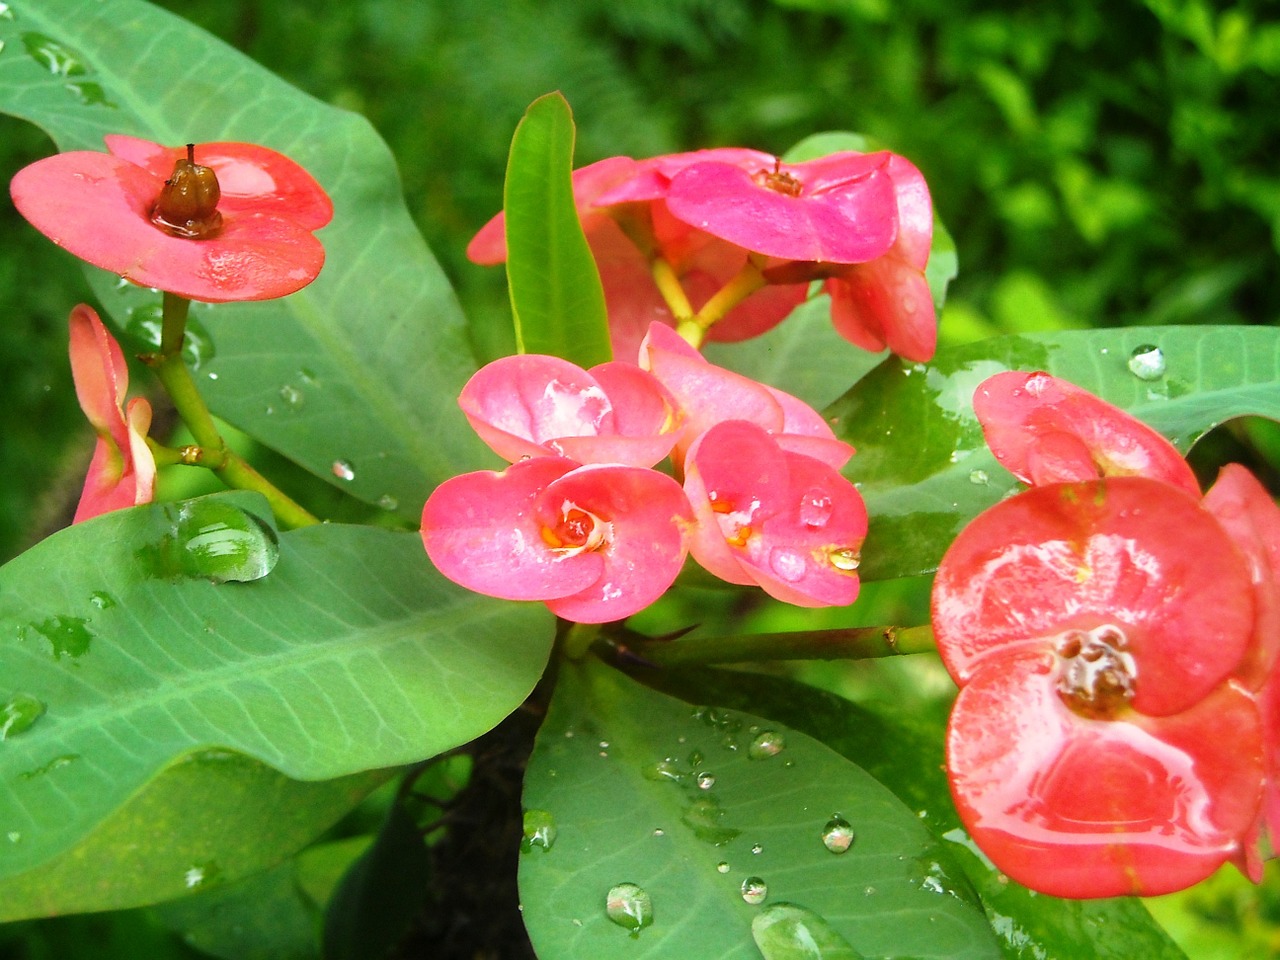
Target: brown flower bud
(187, 206)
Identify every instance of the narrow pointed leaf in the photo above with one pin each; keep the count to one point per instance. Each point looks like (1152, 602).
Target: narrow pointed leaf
(556, 295)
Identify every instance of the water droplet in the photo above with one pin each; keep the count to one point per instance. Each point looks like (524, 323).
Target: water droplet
(754, 890)
(722, 867)
(979, 477)
(539, 831)
(18, 714)
(212, 375)
(703, 817)
(604, 744)
(5, 12)
(768, 743)
(68, 636)
(1146, 362)
(705, 780)
(788, 931)
(659, 832)
(845, 559)
(344, 470)
(198, 874)
(293, 398)
(629, 907)
(102, 600)
(787, 564)
(211, 539)
(838, 835)
(757, 848)
(696, 759)
(815, 509)
(14, 836)
(388, 502)
(57, 763)
(664, 770)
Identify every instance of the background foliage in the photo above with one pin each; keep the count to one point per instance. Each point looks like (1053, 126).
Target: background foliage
(1098, 165)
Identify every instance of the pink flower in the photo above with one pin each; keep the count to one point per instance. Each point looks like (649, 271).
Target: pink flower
(1096, 652)
(535, 406)
(149, 214)
(123, 471)
(595, 543)
(1046, 430)
(862, 220)
(767, 516)
(706, 394)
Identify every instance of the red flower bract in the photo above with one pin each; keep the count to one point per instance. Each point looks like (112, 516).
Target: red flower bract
(99, 207)
(1096, 650)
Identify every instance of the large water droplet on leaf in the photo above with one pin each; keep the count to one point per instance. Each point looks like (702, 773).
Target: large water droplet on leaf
(787, 931)
(1146, 362)
(18, 714)
(212, 540)
(838, 835)
(629, 907)
(539, 831)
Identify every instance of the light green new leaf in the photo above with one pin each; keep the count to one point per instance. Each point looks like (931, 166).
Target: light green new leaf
(351, 654)
(716, 816)
(556, 294)
(363, 365)
(922, 464)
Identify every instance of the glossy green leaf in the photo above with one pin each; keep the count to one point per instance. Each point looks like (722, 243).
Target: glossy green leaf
(904, 751)
(714, 815)
(556, 295)
(923, 467)
(360, 368)
(351, 654)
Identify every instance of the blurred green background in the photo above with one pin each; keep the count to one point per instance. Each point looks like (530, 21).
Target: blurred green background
(1098, 164)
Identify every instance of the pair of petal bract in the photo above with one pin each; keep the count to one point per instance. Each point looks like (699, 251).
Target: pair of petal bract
(581, 522)
(1106, 626)
(100, 206)
(862, 223)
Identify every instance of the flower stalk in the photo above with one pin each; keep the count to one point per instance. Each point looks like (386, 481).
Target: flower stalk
(853, 643)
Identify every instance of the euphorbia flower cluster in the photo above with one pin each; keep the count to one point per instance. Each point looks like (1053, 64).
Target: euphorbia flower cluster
(727, 241)
(1113, 634)
(582, 522)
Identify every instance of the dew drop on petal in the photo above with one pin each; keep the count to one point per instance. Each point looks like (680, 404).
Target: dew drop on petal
(815, 509)
(768, 743)
(1146, 362)
(787, 564)
(754, 890)
(629, 907)
(344, 470)
(846, 559)
(838, 835)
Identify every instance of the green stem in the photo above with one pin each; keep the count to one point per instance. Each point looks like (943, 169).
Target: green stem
(668, 283)
(854, 643)
(746, 282)
(214, 453)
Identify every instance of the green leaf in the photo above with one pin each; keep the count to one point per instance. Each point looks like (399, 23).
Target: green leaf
(922, 464)
(351, 654)
(380, 894)
(904, 751)
(364, 364)
(209, 818)
(556, 294)
(691, 806)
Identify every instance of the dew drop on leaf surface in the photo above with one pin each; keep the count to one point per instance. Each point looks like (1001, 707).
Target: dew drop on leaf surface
(754, 890)
(539, 831)
(838, 835)
(768, 743)
(1146, 362)
(18, 714)
(629, 906)
(788, 931)
(344, 470)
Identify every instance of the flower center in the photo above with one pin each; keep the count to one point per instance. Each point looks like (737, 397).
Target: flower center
(779, 181)
(1097, 671)
(188, 202)
(735, 524)
(576, 531)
